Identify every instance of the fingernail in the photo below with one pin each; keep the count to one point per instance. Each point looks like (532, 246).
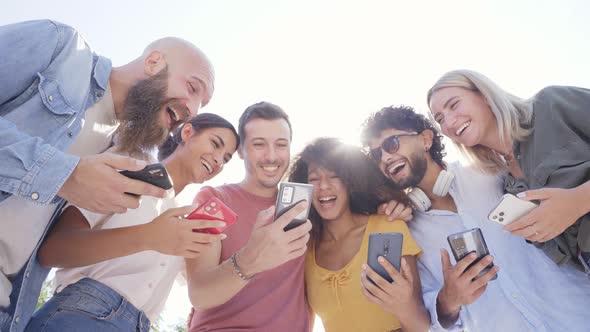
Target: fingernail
(521, 195)
(381, 259)
(364, 267)
(223, 236)
(222, 224)
(489, 259)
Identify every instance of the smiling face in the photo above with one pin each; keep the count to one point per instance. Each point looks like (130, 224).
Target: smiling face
(330, 195)
(205, 153)
(266, 152)
(405, 167)
(189, 85)
(464, 116)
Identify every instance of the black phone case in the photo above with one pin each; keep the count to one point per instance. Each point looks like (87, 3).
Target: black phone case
(388, 245)
(155, 174)
(289, 195)
(464, 243)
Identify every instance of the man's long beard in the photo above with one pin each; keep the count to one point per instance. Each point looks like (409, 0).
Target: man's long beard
(140, 130)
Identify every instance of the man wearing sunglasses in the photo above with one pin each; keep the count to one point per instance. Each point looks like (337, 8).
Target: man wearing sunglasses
(409, 151)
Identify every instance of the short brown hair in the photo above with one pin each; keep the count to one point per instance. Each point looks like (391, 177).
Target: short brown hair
(262, 110)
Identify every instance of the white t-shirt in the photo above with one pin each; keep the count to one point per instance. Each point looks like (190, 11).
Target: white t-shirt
(23, 221)
(145, 278)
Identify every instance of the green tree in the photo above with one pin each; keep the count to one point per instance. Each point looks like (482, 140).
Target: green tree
(46, 293)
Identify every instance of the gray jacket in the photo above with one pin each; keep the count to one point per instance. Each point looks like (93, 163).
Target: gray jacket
(557, 155)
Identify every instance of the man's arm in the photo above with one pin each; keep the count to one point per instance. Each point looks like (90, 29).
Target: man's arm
(212, 283)
(29, 167)
(72, 242)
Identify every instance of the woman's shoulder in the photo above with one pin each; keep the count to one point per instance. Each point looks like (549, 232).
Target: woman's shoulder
(379, 223)
(560, 101)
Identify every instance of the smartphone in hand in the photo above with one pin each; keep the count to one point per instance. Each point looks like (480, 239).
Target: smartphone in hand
(289, 195)
(388, 245)
(214, 209)
(464, 243)
(154, 174)
(509, 209)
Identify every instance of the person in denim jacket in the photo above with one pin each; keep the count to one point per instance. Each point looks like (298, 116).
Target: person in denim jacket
(61, 105)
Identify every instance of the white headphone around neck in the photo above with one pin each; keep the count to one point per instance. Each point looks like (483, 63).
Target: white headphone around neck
(421, 202)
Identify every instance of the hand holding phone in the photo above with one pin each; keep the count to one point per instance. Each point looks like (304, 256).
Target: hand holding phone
(464, 243)
(214, 209)
(387, 245)
(509, 209)
(289, 195)
(154, 174)
(171, 234)
(465, 281)
(269, 245)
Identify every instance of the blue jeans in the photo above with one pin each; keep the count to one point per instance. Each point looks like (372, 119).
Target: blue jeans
(88, 306)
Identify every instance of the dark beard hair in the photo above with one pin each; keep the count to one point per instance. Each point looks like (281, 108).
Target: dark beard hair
(140, 130)
(418, 166)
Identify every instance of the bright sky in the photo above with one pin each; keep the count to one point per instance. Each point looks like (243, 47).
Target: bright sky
(330, 64)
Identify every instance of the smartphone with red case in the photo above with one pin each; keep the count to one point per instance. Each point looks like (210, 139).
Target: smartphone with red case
(214, 209)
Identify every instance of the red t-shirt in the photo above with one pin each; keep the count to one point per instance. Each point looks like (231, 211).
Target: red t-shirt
(275, 299)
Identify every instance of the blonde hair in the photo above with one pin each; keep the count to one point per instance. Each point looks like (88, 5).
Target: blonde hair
(513, 115)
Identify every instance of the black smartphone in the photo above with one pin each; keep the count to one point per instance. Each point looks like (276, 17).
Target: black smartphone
(289, 195)
(388, 245)
(155, 174)
(466, 242)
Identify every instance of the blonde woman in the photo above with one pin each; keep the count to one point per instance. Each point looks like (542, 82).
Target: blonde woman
(541, 144)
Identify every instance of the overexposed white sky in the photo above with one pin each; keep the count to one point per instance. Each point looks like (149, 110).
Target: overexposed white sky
(330, 64)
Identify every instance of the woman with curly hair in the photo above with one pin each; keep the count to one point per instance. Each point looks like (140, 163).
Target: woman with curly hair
(348, 188)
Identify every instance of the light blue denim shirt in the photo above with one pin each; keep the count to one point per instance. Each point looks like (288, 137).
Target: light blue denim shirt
(531, 292)
(49, 76)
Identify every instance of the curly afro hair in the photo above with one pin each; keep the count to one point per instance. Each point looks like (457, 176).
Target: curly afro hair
(402, 118)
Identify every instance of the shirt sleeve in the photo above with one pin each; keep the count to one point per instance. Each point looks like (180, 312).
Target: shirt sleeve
(430, 289)
(561, 154)
(29, 167)
(205, 193)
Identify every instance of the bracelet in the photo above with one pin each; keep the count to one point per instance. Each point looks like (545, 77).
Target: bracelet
(237, 269)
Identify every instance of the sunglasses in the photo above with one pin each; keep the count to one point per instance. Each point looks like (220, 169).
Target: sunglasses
(389, 145)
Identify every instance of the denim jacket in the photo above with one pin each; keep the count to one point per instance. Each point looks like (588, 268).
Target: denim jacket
(49, 76)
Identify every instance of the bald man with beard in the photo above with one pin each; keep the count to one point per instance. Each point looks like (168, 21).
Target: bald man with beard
(61, 107)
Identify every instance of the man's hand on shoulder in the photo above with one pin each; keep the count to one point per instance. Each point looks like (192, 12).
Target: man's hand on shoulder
(395, 210)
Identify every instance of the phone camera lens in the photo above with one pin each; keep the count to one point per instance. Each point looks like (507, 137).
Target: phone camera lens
(494, 217)
(501, 213)
(501, 219)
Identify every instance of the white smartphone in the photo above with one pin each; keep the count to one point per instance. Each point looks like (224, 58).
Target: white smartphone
(509, 209)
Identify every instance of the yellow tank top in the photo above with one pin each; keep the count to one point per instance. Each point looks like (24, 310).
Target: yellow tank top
(337, 297)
